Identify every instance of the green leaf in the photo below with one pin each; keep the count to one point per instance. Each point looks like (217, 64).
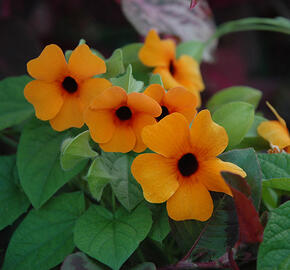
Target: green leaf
(128, 82)
(160, 228)
(13, 106)
(75, 150)
(38, 162)
(248, 161)
(192, 48)
(79, 261)
(237, 118)
(156, 79)
(144, 266)
(274, 251)
(270, 198)
(275, 165)
(130, 57)
(98, 177)
(125, 187)
(112, 238)
(252, 138)
(13, 201)
(220, 231)
(115, 65)
(235, 93)
(279, 183)
(45, 237)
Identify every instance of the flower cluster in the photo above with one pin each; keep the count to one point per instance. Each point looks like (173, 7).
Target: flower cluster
(184, 167)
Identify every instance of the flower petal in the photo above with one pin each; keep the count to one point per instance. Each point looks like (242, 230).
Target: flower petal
(109, 99)
(279, 118)
(49, 66)
(70, 114)
(83, 64)
(140, 121)
(207, 138)
(180, 100)
(156, 52)
(155, 91)
(157, 176)
(275, 133)
(45, 97)
(123, 140)
(191, 201)
(209, 173)
(90, 88)
(144, 104)
(169, 137)
(101, 125)
(167, 79)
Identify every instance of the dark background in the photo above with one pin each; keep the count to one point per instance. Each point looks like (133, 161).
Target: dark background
(257, 59)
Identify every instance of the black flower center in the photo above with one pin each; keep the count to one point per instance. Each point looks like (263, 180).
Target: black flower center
(163, 114)
(188, 164)
(171, 67)
(124, 113)
(69, 84)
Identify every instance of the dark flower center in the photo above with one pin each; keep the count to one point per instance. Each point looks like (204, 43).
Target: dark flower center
(171, 67)
(188, 164)
(163, 114)
(124, 113)
(69, 84)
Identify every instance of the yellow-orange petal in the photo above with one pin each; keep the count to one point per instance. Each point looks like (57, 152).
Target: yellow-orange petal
(70, 114)
(275, 133)
(187, 73)
(169, 137)
(209, 174)
(167, 78)
(156, 52)
(49, 66)
(46, 98)
(110, 98)
(140, 121)
(155, 91)
(123, 140)
(91, 88)
(101, 125)
(279, 118)
(191, 201)
(180, 100)
(208, 139)
(83, 64)
(156, 175)
(141, 103)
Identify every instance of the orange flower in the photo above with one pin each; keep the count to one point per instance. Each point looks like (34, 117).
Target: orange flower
(62, 90)
(176, 99)
(185, 166)
(184, 71)
(116, 119)
(275, 132)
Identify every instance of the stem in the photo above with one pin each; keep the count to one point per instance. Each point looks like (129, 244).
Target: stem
(232, 262)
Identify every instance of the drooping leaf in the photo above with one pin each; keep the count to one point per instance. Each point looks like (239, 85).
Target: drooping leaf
(237, 118)
(13, 106)
(45, 237)
(173, 18)
(251, 230)
(160, 228)
(79, 261)
(38, 162)
(248, 161)
(128, 82)
(125, 187)
(194, 49)
(13, 201)
(112, 237)
(156, 79)
(274, 252)
(115, 65)
(220, 231)
(75, 150)
(235, 93)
